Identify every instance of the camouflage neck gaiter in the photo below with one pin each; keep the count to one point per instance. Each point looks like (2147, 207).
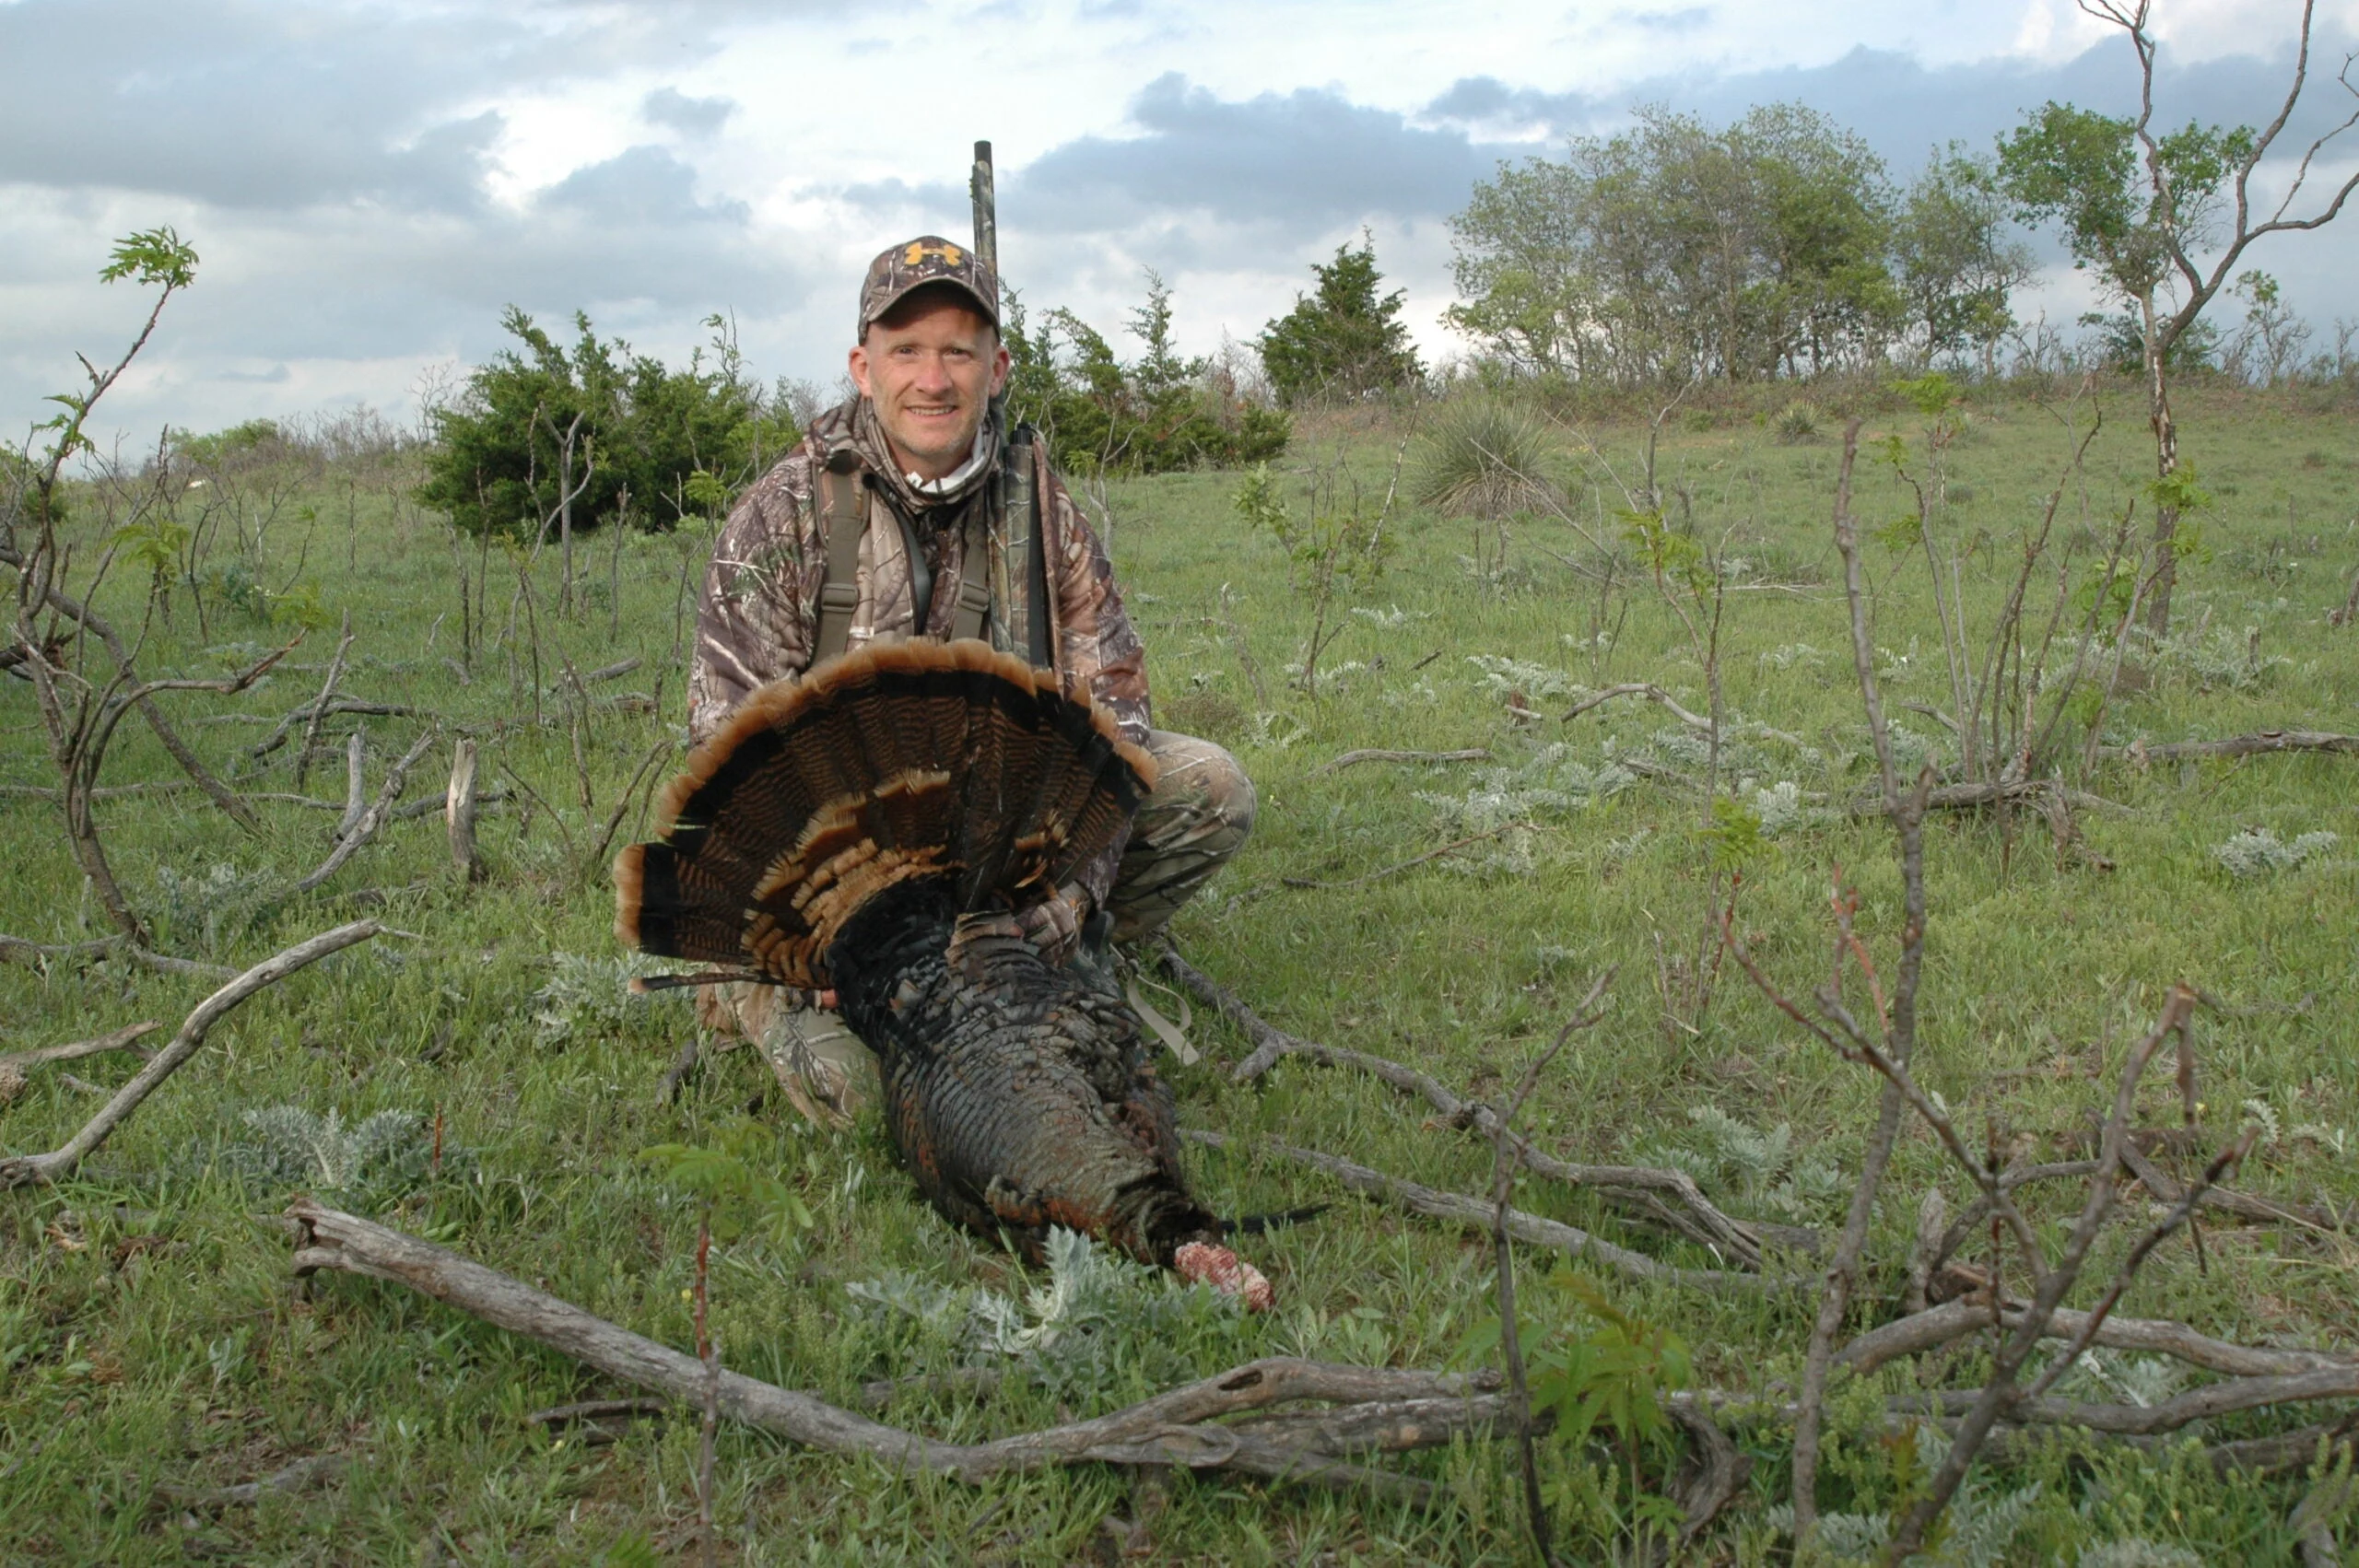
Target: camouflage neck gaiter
(855, 423)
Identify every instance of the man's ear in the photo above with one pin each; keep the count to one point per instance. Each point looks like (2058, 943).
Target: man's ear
(857, 361)
(1000, 363)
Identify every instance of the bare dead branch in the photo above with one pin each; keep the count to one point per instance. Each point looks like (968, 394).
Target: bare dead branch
(1365, 878)
(123, 1040)
(373, 818)
(1178, 1428)
(1352, 759)
(1269, 1044)
(302, 1474)
(181, 753)
(1969, 797)
(2180, 1214)
(1659, 1195)
(319, 703)
(1647, 689)
(2244, 1205)
(1951, 1321)
(1475, 1212)
(27, 1168)
(2257, 744)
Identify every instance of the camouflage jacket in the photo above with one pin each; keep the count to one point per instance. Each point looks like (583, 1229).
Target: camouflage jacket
(759, 619)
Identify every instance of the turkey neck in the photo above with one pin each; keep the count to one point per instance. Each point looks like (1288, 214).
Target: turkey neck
(1015, 1093)
(898, 944)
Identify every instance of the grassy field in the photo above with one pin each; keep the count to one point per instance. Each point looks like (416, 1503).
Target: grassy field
(150, 1344)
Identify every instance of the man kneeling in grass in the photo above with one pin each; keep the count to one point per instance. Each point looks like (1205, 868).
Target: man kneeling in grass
(913, 510)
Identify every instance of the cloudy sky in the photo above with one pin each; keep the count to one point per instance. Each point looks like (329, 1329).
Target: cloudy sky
(370, 181)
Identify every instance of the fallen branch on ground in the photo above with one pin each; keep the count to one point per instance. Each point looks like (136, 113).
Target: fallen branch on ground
(2254, 745)
(1657, 1194)
(1647, 689)
(1461, 1209)
(294, 1478)
(25, 1169)
(1365, 878)
(340, 706)
(373, 818)
(123, 1040)
(1968, 797)
(1951, 1321)
(1181, 1427)
(2166, 1188)
(1269, 1044)
(1378, 754)
(16, 950)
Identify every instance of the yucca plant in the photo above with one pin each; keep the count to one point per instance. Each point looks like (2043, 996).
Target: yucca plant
(1486, 459)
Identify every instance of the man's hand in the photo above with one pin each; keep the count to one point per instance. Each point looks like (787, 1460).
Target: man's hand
(1054, 928)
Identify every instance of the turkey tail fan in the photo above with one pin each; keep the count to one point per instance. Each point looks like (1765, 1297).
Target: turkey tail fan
(911, 760)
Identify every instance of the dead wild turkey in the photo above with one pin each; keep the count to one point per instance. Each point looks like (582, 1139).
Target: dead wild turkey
(873, 828)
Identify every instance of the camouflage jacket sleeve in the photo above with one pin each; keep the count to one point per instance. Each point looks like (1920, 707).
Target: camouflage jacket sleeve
(753, 622)
(1096, 644)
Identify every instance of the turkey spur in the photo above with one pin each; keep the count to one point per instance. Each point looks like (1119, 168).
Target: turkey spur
(875, 828)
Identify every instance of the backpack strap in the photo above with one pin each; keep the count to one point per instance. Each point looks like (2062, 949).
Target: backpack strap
(844, 515)
(974, 580)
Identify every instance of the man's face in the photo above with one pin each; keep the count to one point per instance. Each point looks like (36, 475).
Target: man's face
(930, 372)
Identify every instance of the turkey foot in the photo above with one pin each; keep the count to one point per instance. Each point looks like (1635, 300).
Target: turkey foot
(1200, 1262)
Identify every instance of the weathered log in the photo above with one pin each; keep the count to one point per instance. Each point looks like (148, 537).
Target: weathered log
(1175, 1428)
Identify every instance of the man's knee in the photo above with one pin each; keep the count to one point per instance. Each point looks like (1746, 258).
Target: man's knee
(1201, 792)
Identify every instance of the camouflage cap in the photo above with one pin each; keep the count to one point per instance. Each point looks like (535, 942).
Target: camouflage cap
(900, 269)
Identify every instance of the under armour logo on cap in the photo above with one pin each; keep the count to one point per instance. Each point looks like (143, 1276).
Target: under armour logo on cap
(900, 269)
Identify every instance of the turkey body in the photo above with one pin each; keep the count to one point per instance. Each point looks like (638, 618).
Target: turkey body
(872, 829)
(1019, 1096)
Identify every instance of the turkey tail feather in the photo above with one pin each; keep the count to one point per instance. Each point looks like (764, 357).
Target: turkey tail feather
(914, 759)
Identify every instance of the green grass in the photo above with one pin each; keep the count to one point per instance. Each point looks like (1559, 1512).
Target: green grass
(187, 1361)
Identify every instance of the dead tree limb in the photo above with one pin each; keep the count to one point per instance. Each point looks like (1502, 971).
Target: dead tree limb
(1659, 1195)
(1647, 689)
(1414, 861)
(2255, 744)
(1900, 1024)
(1352, 759)
(82, 614)
(373, 818)
(319, 703)
(27, 1168)
(294, 1478)
(1952, 1321)
(1269, 1044)
(123, 1040)
(1970, 797)
(1178, 1428)
(1475, 1212)
(2166, 1188)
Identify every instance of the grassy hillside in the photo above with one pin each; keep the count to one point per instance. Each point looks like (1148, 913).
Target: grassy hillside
(149, 1339)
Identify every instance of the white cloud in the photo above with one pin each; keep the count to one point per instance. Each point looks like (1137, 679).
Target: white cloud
(370, 181)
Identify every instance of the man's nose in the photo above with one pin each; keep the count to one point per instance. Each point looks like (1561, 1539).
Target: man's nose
(934, 374)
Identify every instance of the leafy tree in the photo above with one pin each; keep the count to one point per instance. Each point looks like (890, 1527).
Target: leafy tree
(1343, 338)
(1675, 250)
(2117, 344)
(2137, 207)
(1954, 264)
(1521, 268)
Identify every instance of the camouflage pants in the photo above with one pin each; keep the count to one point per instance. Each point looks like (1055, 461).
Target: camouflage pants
(1199, 816)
